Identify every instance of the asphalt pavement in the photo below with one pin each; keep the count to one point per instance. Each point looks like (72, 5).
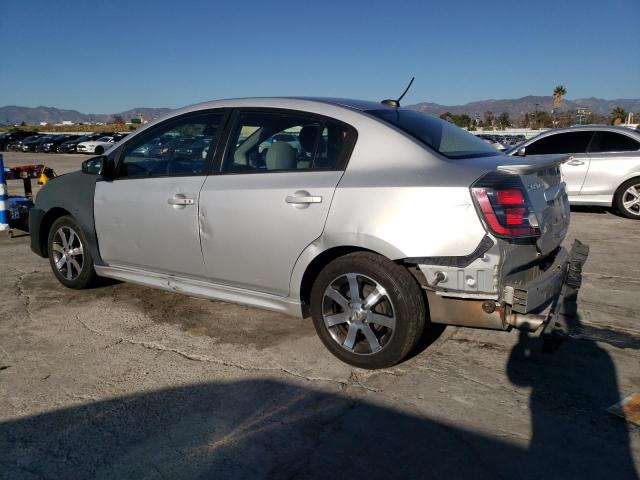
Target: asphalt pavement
(123, 381)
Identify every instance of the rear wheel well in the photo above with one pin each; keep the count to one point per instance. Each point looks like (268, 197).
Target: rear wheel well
(316, 266)
(51, 216)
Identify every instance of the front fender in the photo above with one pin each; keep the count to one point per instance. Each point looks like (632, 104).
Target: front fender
(73, 192)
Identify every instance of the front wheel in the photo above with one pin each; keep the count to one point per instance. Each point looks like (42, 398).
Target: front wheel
(368, 311)
(627, 199)
(69, 254)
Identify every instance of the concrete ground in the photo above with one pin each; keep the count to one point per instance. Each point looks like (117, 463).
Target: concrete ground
(124, 381)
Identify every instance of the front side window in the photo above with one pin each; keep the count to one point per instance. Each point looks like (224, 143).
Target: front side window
(269, 142)
(571, 142)
(613, 142)
(178, 147)
(443, 137)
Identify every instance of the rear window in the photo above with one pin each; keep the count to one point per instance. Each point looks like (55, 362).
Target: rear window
(440, 135)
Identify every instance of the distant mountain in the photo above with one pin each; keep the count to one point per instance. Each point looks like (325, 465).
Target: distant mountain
(519, 106)
(514, 107)
(12, 114)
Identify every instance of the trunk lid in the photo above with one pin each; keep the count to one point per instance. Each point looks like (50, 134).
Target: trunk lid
(542, 182)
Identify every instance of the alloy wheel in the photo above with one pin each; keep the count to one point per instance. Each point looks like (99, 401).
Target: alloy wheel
(631, 200)
(68, 255)
(358, 313)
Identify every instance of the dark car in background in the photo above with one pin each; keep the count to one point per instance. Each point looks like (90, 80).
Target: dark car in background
(51, 145)
(7, 138)
(70, 145)
(17, 145)
(36, 145)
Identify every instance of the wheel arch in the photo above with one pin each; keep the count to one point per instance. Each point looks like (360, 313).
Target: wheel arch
(631, 176)
(45, 227)
(324, 250)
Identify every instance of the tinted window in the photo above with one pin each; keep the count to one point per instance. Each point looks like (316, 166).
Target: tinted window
(613, 142)
(264, 142)
(179, 147)
(440, 135)
(572, 142)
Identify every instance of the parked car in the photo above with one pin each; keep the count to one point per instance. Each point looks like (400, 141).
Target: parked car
(70, 145)
(395, 221)
(52, 145)
(101, 144)
(33, 145)
(98, 146)
(39, 145)
(603, 167)
(17, 145)
(10, 137)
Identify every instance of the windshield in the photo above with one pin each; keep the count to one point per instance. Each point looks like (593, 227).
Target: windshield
(440, 135)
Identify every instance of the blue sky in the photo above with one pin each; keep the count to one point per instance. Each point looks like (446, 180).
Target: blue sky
(107, 56)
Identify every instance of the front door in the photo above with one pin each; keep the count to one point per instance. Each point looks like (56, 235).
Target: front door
(148, 216)
(272, 197)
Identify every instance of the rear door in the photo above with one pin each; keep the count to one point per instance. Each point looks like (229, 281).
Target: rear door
(573, 143)
(272, 196)
(614, 156)
(147, 217)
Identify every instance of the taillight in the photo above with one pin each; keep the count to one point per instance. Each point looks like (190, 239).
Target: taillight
(506, 210)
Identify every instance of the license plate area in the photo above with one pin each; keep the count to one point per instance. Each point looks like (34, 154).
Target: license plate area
(536, 288)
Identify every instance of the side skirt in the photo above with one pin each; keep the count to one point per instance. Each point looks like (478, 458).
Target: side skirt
(202, 289)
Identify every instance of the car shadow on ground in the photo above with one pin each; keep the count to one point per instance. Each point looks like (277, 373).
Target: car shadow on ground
(272, 429)
(594, 209)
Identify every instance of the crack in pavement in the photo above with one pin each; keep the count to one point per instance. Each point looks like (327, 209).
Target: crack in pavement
(352, 382)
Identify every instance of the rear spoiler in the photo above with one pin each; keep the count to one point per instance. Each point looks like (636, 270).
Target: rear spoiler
(537, 162)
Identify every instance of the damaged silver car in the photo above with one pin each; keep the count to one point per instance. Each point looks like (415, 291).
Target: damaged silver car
(373, 220)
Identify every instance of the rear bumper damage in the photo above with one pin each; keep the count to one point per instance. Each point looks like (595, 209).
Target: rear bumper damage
(526, 303)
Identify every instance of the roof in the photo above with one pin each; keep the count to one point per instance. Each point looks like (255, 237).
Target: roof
(610, 128)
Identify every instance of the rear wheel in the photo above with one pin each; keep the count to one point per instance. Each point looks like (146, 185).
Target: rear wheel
(627, 199)
(368, 311)
(69, 254)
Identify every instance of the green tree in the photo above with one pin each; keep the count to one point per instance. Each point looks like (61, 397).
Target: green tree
(504, 121)
(618, 115)
(558, 93)
(488, 119)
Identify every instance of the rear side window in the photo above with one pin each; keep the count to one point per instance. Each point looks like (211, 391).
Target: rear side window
(440, 135)
(283, 142)
(613, 142)
(571, 142)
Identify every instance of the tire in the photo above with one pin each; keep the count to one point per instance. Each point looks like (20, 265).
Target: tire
(98, 150)
(395, 314)
(73, 270)
(627, 199)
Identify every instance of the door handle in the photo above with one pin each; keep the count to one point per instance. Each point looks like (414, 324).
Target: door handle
(575, 162)
(302, 199)
(180, 200)
(298, 200)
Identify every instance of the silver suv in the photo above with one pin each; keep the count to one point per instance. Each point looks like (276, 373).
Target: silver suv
(383, 222)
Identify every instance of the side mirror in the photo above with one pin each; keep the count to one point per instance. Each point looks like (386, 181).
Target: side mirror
(101, 165)
(521, 152)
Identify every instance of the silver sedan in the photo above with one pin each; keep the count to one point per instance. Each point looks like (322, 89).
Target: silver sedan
(373, 220)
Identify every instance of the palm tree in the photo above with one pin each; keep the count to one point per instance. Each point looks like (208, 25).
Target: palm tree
(558, 93)
(618, 115)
